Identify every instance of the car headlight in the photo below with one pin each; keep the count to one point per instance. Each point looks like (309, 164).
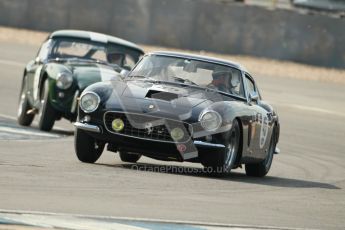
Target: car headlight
(64, 80)
(210, 120)
(89, 102)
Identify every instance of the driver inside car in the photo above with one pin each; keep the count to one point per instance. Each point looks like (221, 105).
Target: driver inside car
(220, 80)
(224, 81)
(116, 58)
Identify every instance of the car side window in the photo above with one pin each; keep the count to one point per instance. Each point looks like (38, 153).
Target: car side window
(129, 61)
(236, 83)
(250, 85)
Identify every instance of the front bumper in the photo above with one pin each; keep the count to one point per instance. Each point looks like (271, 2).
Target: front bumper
(173, 151)
(87, 127)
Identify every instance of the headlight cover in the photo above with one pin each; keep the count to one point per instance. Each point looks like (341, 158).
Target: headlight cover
(64, 80)
(89, 102)
(210, 120)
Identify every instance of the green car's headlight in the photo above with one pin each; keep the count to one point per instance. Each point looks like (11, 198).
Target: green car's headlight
(64, 80)
(89, 102)
(210, 120)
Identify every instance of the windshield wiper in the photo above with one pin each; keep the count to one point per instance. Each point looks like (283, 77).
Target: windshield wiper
(77, 59)
(179, 84)
(57, 59)
(88, 60)
(183, 80)
(155, 81)
(178, 80)
(142, 77)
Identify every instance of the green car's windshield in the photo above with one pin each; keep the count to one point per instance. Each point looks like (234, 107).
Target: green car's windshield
(190, 72)
(77, 49)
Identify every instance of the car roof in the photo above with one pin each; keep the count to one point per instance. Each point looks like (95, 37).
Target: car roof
(200, 58)
(93, 36)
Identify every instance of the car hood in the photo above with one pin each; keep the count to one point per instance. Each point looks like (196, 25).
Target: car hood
(160, 99)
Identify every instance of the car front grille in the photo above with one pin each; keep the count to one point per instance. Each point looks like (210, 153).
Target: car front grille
(145, 126)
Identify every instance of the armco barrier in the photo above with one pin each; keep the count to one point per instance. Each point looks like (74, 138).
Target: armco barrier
(211, 25)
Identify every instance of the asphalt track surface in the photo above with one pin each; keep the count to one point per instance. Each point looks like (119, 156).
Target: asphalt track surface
(304, 189)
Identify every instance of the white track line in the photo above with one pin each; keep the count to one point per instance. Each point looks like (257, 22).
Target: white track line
(8, 117)
(66, 222)
(15, 118)
(311, 109)
(28, 132)
(207, 225)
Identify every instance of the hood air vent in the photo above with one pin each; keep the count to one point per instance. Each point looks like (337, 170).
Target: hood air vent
(161, 95)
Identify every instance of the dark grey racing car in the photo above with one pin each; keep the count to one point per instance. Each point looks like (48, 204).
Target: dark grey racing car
(180, 107)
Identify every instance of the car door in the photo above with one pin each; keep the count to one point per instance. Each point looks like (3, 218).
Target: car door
(34, 72)
(259, 126)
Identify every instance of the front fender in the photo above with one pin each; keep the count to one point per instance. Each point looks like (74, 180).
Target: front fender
(103, 89)
(50, 71)
(229, 110)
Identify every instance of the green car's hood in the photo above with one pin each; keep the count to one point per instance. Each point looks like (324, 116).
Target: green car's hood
(87, 74)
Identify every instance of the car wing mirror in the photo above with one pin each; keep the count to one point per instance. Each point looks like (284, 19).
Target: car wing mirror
(38, 60)
(253, 96)
(124, 73)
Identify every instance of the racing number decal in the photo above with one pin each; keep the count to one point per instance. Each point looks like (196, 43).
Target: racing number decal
(263, 121)
(36, 82)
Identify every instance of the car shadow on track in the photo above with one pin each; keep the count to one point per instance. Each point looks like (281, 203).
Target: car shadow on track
(233, 176)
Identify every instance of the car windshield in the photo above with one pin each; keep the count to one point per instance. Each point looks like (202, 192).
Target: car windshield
(94, 51)
(190, 72)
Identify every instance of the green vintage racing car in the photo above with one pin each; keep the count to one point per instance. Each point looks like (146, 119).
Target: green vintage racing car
(67, 62)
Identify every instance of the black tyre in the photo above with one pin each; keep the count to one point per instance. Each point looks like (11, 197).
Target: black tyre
(221, 162)
(87, 149)
(261, 169)
(46, 113)
(23, 106)
(129, 157)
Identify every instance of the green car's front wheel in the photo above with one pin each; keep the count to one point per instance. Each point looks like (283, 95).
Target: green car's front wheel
(23, 117)
(47, 114)
(87, 149)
